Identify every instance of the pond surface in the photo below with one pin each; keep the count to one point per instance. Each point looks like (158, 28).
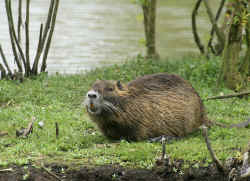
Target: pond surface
(94, 33)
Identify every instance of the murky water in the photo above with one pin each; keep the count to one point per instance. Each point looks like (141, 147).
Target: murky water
(91, 33)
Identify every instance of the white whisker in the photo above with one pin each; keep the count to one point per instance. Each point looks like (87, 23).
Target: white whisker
(110, 107)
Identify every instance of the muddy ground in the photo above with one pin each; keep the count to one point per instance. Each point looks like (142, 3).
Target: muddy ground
(112, 173)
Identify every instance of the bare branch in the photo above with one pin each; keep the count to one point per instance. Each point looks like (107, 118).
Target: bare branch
(229, 96)
(11, 27)
(212, 154)
(46, 51)
(215, 26)
(2, 70)
(22, 59)
(28, 69)
(222, 3)
(19, 24)
(5, 61)
(194, 28)
(43, 39)
(48, 21)
(38, 52)
(15, 37)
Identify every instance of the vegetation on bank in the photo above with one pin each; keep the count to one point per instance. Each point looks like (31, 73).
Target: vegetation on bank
(58, 98)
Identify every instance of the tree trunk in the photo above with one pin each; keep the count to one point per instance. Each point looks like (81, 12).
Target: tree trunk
(245, 67)
(232, 74)
(149, 13)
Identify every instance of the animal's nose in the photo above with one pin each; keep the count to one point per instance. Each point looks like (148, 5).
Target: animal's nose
(92, 95)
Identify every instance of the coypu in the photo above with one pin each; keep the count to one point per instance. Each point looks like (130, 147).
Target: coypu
(147, 107)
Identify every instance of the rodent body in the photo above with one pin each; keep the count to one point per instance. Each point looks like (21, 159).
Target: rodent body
(147, 107)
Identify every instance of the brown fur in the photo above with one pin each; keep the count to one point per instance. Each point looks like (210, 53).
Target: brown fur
(149, 106)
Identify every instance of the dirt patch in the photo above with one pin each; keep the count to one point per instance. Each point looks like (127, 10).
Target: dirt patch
(110, 173)
(24, 173)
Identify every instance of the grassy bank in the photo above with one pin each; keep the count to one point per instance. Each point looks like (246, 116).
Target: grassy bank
(58, 99)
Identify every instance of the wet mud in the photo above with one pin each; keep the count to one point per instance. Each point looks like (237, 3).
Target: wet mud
(162, 172)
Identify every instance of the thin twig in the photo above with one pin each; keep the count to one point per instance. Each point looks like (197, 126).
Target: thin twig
(28, 69)
(229, 96)
(47, 47)
(212, 154)
(194, 27)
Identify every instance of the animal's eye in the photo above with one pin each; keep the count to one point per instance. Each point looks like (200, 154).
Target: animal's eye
(119, 85)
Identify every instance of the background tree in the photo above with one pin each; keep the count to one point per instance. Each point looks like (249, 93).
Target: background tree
(235, 70)
(149, 18)
(21, 57)
(233, 33)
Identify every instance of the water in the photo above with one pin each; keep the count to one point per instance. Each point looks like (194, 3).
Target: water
(95, 33)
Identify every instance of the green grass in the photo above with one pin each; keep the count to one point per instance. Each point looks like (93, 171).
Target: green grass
(59, 99)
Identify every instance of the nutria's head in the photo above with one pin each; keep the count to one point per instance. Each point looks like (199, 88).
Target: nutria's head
(104, 96)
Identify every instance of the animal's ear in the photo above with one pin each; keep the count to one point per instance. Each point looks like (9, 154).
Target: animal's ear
(119, 85)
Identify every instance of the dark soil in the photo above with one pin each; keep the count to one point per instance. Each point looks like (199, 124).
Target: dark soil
(111, 173)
